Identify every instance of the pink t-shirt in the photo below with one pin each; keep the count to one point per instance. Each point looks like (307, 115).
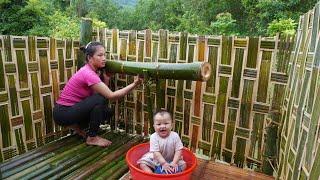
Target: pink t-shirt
(79, 86)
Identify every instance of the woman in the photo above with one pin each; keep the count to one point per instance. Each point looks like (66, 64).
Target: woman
(83, 99)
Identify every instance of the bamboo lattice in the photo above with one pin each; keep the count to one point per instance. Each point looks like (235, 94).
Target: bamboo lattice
(299, 148)
(32, 72)
(234, 116)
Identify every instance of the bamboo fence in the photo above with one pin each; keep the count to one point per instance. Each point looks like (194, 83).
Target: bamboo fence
(227, 118)
(234, 116)
(32, 72)
(258, 110)
(300, 138)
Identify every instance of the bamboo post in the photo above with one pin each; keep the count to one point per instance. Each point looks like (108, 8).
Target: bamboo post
(85, 38)
(149, 100)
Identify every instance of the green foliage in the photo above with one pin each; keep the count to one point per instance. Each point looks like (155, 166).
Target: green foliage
(64, 26)
(98, 24)
(156, 14)
(224, 25)
(4, 1)
(104, 10)
(193, 24)
(60, 18)
(15, 20)
(283, 26)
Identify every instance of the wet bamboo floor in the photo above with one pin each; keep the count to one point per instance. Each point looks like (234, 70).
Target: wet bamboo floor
(71, 158)
(207, 170)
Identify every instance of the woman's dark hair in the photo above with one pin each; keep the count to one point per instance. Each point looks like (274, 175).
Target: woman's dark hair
(90, 49)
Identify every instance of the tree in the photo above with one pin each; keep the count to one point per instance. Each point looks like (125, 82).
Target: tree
(193, 24)
(224, 25)
(284, 26)
(15, 20)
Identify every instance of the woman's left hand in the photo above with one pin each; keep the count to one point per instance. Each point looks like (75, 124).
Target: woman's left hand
(138, 80)
(106, 77)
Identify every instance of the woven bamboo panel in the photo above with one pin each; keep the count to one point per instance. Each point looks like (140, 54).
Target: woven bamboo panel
(234, 116)
(299, 148)
(32, 72)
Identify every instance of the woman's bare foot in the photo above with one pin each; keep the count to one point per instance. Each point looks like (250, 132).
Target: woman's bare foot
(79, 131)
(98, 141)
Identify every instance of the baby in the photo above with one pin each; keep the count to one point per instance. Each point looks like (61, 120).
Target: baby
(164, 156)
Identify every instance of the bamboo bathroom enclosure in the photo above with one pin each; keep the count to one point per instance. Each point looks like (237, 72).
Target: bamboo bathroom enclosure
(258, 110)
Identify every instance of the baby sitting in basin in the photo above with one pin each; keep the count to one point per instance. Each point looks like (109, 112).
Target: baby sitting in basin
(164, 156)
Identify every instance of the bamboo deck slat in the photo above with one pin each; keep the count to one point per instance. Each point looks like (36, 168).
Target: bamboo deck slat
(71, 158)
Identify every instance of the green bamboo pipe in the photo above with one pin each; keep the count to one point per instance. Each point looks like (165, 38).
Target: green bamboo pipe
(196, 71)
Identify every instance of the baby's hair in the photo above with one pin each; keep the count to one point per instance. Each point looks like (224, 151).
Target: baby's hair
(90, 49)
(162, 112)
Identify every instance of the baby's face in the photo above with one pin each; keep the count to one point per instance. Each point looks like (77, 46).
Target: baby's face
(162, 125)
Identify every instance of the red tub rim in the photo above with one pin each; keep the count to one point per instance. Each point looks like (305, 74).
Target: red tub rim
(189, 170)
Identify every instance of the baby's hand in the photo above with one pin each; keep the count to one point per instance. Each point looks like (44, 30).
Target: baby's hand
(166, 167)
(174, 167)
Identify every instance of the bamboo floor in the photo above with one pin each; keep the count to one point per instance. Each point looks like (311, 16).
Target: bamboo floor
(210, 170)
(71, 158)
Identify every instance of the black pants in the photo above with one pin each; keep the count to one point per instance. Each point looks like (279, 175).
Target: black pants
(91, 112)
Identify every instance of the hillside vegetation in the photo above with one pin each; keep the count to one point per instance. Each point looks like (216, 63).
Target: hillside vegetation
(61, 18)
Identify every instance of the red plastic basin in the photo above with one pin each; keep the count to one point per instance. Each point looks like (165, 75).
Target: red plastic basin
(136, 152)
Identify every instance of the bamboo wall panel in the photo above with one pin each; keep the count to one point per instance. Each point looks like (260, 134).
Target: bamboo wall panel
(299, 146)
(234, 116)
(32, 72)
